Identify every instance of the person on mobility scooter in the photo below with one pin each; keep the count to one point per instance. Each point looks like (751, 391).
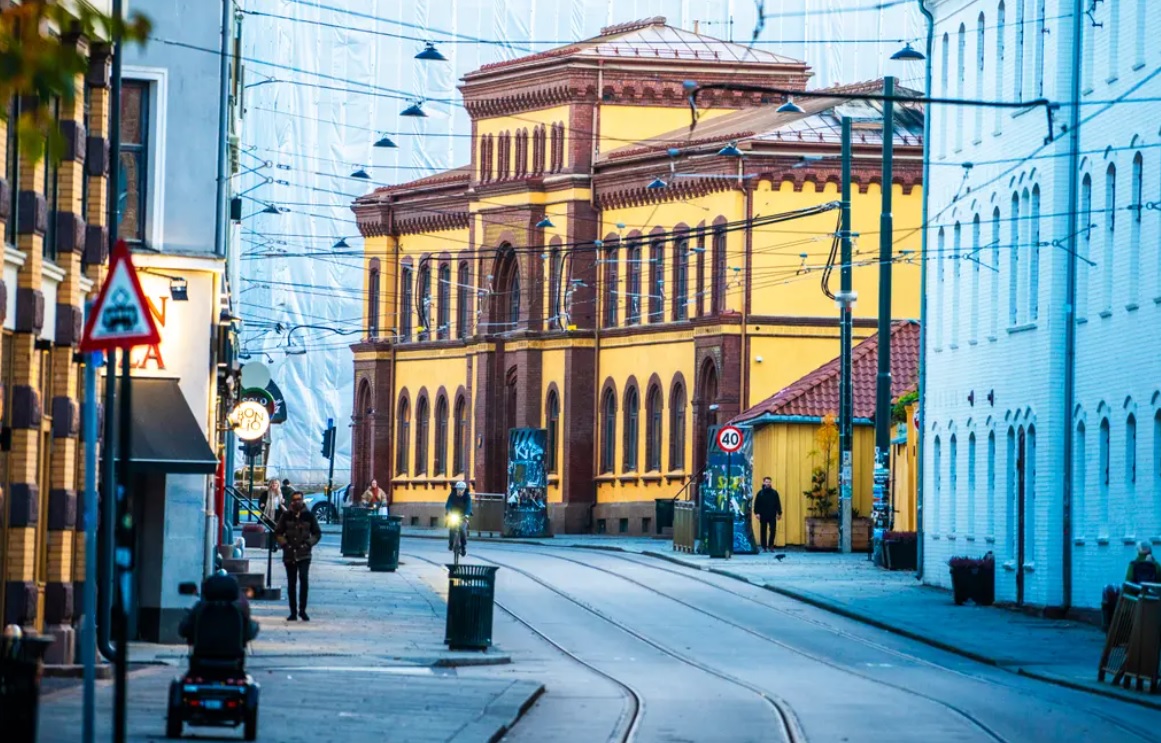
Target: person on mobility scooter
(216, 690)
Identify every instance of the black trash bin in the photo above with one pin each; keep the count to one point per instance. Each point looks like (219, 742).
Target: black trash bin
(20, 686)
(470, 597)
(720, 534)
(663, 514)
(383, 555)
(356, 531)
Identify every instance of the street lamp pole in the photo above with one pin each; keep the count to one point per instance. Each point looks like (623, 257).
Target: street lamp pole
(882, 473)
(845, 300)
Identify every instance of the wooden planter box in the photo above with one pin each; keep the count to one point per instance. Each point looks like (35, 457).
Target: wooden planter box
(823, 534)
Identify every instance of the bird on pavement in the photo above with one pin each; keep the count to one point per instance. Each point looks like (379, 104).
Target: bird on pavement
(780, 556)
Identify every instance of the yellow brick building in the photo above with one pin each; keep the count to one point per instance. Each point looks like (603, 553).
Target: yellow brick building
(599, 270)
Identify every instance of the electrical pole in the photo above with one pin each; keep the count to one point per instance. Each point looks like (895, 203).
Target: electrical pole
(329, 451)
(882, 474)
(845, 300)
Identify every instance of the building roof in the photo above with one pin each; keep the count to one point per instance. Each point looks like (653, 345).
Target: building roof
(650, 38)
(817, 394)
(820, 123)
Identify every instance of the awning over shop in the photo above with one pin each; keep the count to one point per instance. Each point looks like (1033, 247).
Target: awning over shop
(166, 437)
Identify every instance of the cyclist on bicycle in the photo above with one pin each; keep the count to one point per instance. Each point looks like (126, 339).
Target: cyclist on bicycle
(457, 511)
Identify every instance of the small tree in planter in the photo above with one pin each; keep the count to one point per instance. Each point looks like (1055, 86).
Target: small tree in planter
(822, 525)
(973, 578)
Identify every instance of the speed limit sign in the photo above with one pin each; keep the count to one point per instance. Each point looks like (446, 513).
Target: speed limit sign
(730, 439)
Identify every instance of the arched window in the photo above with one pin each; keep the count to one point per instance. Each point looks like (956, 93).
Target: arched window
(956, 261)
(1110, 236)
(994, 277)
(953, 484)
(1018, 72)
(460, 445)
(611, 286)
(422, 418)
(1080, 480)
(373, 300)
(555, 271)
(552, 425)
(608, 431)
(701, 288)
(940, 289)
(424, 291)
(1082, 293)
(514, 299)
(991, 497)
(960, 78)
(506, 307)
(971, 485)
(999, 71)
(1135, 229)
(681, 278)
(441, 436)
(974, 331)
(1142, 22)
(443, 329)
(1040, 32)
(945, 87)
(1010, 492)
(405, 305)
(657, 281)
(937, 479)
(719, 271)
(633, 283)
(1014, 263)
(677, 428)
(1034, 258)
(1105, 445)
(1131, 451)
(632, 410)
(653, 429)
(463, 301)
(981, 55)
(1114, 27)
(483, 158)
(403, 436)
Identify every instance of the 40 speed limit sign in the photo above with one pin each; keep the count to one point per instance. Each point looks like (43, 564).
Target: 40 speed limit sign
(730, 439)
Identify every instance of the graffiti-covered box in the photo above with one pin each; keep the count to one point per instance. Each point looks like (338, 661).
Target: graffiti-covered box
(526, 502)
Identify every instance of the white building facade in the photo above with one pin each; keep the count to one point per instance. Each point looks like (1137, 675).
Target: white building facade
(1041, 413)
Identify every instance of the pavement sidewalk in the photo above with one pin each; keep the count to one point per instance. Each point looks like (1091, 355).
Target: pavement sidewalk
(370, 665)
(1063, 652)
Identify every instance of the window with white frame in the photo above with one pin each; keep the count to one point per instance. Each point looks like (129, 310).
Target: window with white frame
(974, 332)
(940, 260)
(1079, 480)
(1034, 258)
(1137, 208)
(1085, 268)
(1010, 488)
(1110, 237)
(1041, 31)
(1014, 262)
(971, 485)
(1018, 72)
(952, 485)
(960, 78)
(981, 37)
(133, 189)
(956, 260)
(1139, 55)
(995, 275)
(937, 478)
(944, 83)
(1105, 446)
(1114, 27)
(999, 92)
(991, 485)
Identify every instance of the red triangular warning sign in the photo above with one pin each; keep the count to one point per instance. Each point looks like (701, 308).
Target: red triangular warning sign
(120, 317)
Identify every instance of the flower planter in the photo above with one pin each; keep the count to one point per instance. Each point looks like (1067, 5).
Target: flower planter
(973, 579)
(822, 534)
(901, 554)
(861, 532)
(962, 580)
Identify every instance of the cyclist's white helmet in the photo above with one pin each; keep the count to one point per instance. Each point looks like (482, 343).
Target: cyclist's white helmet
(461, 485)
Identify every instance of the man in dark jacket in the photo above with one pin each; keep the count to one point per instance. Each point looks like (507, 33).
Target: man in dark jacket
(297, 533)
(287, 491)
(768, 507)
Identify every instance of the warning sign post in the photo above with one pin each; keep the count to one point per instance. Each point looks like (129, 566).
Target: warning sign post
(120, 317)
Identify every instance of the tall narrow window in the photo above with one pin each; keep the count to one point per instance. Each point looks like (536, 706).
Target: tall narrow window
(1135, 230)
(611, 287)
(373, 300)
(1142, 22)
(422, 418)
(460, 443)
(463, 302)
(971, 485)
(51, 190)
(1156, 472)
(974, 336)
(1010, 488)
(953, 484)
(1034, 258)
(991, 491)
(1000, 72)
(405, 305)
(981, 54)
(719, 271)
(1084, 268)
(940, 287)
(552, 426)
(960, 78)
(1041, 31)
(554, 266)
(441, 436)
(937, 478)
(1018, 72)
(132, 208)
(633, 266)
(1014, 263)
(402, 437)
(657, 281)
(1030, 532)
(608, 432)
(1131, 452)
(1080, 481)
(945, 86)
(1110, 237)
(994, 275)
(425, 308)
(681, 278)
(443, 328)
(701, 287)
(677, 428)
(1103, 475)
(1114, 27)
(632, 410)
(653, 430)
(956, 261)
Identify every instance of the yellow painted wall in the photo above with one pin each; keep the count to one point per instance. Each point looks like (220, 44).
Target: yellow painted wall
(904, 479)
(789, 353)
(433, 244)
(781, 452)
(626, 126)
(553, 371)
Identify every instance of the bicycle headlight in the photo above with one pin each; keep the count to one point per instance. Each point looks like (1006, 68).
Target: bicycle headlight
(453, 519)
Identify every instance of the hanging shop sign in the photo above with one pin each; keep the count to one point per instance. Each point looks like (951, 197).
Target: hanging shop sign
(250, 420)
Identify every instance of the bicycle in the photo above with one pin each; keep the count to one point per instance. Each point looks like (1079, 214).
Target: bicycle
(458, 525)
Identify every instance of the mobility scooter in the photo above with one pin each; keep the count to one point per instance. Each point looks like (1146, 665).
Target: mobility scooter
(215, 691)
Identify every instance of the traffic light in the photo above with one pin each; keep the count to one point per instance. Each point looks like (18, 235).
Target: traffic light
(328, 443)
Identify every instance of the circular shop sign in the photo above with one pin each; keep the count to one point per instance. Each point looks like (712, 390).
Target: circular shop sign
(251, 420)
(260, 396)
(730, 439)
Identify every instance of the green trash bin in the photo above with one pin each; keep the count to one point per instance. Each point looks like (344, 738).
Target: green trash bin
(356, 531)
(470, 598)
(20, 670)
(663, 514)
(383, 555)
(720, 534)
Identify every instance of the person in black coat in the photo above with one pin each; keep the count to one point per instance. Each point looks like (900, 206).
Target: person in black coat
(768, 507)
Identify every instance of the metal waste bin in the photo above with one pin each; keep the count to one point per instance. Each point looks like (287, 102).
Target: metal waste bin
(20, 669)
(720, 534)
(383, 555)
(663, 514)
(470, 597)
(356, 531)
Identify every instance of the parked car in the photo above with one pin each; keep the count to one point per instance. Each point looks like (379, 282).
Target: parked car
(323, 510)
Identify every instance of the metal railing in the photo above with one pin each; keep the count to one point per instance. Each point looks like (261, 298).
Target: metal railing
(243, 502)
(685, 526)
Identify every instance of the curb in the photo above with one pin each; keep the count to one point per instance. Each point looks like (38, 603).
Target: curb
(492, 725)
(1149, 701)
(468, 662)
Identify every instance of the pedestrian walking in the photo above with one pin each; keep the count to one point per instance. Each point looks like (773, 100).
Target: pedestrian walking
(1144, 569)
(271, 502)
(374, 497)
(287, 491)
(297, 533)
(459, 502)
(768, 507)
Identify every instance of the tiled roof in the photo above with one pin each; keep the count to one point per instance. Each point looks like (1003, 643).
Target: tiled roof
(817, 394)
(462, 174)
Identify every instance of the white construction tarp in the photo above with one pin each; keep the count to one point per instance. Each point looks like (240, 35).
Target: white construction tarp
(325, 79)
